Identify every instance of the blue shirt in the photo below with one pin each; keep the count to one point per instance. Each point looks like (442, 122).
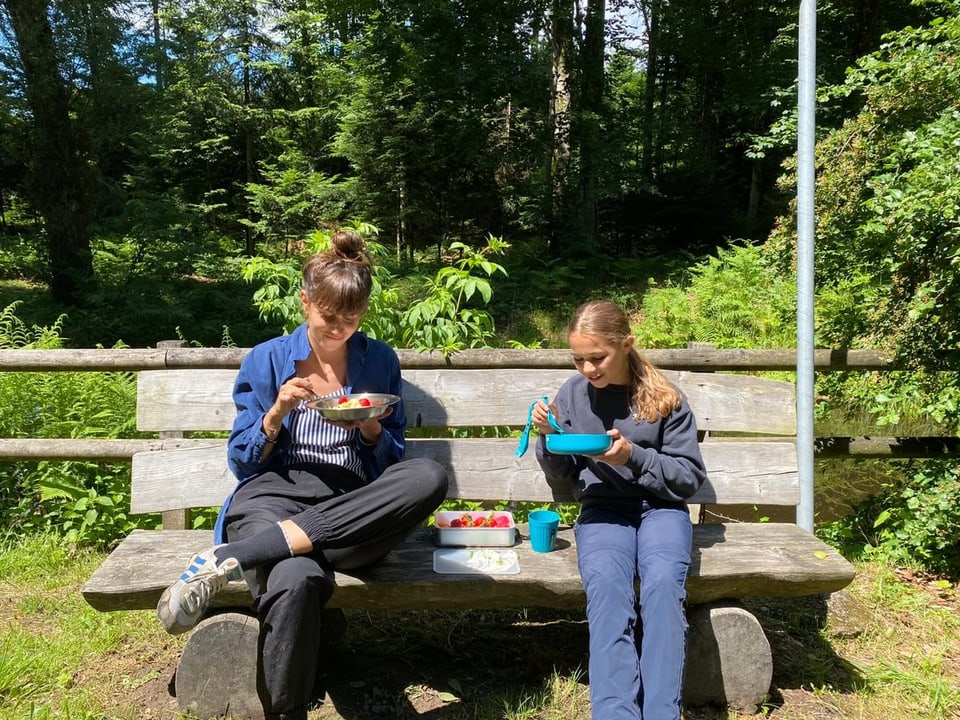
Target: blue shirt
(372, 366)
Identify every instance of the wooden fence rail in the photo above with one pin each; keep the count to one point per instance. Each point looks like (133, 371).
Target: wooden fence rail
(702, 358)
(698, 357)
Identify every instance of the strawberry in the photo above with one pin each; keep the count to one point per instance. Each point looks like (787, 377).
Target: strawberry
(502, 521)
(343, 400)
(365, 402)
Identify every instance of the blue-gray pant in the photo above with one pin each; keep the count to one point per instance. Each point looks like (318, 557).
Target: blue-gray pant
(635, 668)
(351, 524)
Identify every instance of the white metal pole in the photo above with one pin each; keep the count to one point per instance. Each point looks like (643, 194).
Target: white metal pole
(806, 171)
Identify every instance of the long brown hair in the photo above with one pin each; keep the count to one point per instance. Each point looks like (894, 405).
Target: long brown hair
(339, 280)
(652, 394)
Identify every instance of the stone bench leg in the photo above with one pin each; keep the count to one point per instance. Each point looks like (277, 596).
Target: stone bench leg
(729, 663)
(217, 673)
(728, 658)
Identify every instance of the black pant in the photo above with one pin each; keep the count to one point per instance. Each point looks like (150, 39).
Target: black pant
(351, 524)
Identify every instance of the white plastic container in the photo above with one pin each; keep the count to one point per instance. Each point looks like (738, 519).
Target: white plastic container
(447, 534)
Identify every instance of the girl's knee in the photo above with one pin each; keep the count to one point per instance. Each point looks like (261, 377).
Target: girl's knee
(665, 568)
(603, 573)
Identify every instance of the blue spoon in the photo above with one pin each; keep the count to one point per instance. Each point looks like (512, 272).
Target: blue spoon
(525, 435)
(550, 418)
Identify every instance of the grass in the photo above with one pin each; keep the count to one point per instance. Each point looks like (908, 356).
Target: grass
(887, 647)
(58, 657)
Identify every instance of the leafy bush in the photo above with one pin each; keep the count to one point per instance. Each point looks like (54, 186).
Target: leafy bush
(913, 522)
(733, 300)
(22, 256)
(447, 318)
(83, 502)
(887, 194)
(444, 320)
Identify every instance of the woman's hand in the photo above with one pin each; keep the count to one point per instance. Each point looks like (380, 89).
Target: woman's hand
(370, 427)
(291, 393)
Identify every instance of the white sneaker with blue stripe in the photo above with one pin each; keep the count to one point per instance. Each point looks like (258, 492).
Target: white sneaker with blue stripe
(183, 603)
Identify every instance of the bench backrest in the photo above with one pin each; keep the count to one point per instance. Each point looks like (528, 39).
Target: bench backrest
(748, 424)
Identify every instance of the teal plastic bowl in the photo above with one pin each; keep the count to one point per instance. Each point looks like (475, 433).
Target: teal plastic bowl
(578, 443)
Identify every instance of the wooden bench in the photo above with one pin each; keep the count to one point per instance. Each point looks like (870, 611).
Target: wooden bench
(748, 427)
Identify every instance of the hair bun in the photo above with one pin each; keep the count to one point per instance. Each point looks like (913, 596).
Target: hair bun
(348, 245)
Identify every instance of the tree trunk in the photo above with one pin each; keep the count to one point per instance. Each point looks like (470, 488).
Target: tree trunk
(756, 194)
(561, 39)
(401, 219)
(248, 137)
(591, 111)
(158, 53)
(61, 182)
(652, 19)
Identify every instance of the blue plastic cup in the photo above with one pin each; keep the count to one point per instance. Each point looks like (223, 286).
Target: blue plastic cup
(543, 530)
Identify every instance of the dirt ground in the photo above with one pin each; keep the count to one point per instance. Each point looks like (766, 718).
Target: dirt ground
(448, 666)
(425, 665)
(454, 666)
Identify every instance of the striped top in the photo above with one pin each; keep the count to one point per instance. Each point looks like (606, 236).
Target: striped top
(317, 441)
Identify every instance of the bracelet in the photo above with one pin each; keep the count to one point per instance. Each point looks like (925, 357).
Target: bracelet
(273, 440)
(363, 441)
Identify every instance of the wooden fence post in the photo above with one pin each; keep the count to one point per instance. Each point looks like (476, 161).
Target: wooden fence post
(698, 513)
(173, 519)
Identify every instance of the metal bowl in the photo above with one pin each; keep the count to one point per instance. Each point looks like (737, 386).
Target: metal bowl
(332, 407)
(578, 443)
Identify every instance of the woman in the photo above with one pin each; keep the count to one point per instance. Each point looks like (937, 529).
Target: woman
(633, 521)
(313, 495)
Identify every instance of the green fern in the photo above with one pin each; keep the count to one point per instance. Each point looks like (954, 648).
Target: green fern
(15, 334)
(82, 502)
(733, 301)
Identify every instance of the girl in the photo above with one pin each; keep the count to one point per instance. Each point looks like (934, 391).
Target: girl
(633, 522)
(313, 495)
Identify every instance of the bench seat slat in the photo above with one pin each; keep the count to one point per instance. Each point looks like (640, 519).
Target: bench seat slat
(740, 472)
(732, 560)
(201, 400)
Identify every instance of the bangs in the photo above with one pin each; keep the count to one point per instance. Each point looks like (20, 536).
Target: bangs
(343, 291)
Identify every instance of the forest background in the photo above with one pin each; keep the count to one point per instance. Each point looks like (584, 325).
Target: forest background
(164, 167)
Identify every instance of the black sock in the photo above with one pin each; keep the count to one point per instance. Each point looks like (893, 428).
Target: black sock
(268, 545)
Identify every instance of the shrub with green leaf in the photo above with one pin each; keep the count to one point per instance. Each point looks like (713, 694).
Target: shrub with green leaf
(733, 300)
(913, 522)
(888, 202)
(445, 319)
(83, 502)
(451, 315)
(888, 270)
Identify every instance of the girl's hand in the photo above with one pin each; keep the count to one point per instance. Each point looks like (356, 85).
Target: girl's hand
(619, 452)
(539, 417)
